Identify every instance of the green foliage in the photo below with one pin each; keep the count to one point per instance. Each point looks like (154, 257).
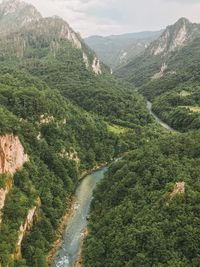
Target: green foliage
(50, 128)
(135, 221)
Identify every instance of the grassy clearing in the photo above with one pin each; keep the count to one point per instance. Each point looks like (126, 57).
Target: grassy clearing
(195, 109)
(192, 108)
(116, 129)
(184, 93)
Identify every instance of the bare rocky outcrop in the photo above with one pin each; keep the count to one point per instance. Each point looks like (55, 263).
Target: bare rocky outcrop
(160, 73)
(46, 119)
(16, 14)
(12, 158)
(12, 155)
(174, 37)
(179, 188)
(3, 193)
(85, 60)
(71, 155)
(23, 228)
(96, 66)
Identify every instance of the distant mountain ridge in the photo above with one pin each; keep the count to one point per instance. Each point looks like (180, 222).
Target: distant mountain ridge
(115, 50)
(175, 37)
(168, 72)
(157, 58)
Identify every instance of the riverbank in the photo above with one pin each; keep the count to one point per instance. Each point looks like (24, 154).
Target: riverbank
(158, 120)
(94, 169)
(78, 262)
(60, 231)
(68, 215)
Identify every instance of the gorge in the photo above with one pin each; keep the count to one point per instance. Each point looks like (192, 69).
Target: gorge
(63, 114)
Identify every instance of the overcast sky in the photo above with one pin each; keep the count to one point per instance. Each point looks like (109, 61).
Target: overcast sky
(104, 17)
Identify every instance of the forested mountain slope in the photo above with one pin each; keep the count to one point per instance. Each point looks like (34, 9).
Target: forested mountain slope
(168, 75)
(145, 211)
(57, 106)
(49, 49)
(61, 141)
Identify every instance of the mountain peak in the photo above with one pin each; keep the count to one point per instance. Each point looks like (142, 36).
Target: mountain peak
(15, 14)
(182, 20)
(174, 37)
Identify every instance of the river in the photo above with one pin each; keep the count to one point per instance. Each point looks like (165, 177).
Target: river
(74, 232)
(71, 244)
(163, 124)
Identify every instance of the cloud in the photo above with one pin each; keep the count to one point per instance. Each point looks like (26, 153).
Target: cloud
(104, 17)
(85, 16)
(188, 2)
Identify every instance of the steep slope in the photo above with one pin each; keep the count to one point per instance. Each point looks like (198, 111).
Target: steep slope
(15, 14)
(156, 58)
(57, 140)
(116, 50)
(168, 74)
(47, 74)
(51, 50)
(145, 211)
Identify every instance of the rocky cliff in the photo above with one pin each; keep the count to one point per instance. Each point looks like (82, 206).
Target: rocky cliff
(12, 155)
(174, 37)
(15, 14)
(24, 228)
(12, 158)
(3, 193)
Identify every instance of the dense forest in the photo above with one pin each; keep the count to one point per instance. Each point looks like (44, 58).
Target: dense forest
(169, 77)
(138, 217)
(62, 140)
(176, 96)
(50, 174)
(145, 210)
(72, 115)
(67, 118)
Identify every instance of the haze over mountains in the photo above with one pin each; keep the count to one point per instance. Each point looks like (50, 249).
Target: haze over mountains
(116, 50)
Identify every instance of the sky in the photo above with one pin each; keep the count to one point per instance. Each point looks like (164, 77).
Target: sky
(107, 17)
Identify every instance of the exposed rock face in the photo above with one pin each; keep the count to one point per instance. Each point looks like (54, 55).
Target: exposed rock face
(15, 14)
(12, 155)
(72, 155)
(161, 73)
(23, 228)
(45, 119)
(181, 38)
(85, 60)
(179, 188)
(96, 66)
(12, 158)
(3, 194)
(57, 27)
(162, 45)
(174, 37)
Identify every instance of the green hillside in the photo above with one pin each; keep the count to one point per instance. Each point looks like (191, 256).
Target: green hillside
(163, 77)
(145, 211)
(63, 105)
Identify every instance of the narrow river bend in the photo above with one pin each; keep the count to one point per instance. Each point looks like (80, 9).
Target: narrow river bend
(163, 124)
(71, 244)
